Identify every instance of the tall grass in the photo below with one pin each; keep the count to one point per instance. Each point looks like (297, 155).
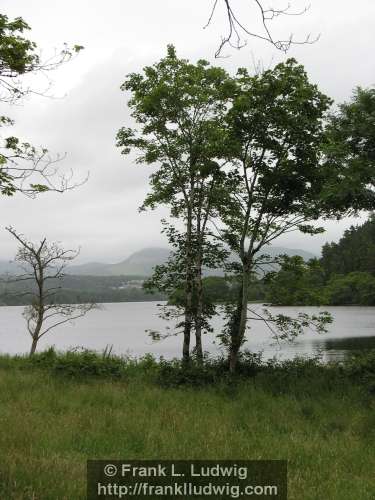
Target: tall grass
(321, 419)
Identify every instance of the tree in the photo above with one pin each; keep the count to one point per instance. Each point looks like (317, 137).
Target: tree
(355, 251)
(249, 156)
(350, 154)
(238, 29)
(170, 278)
(24, 168)
(18, 56)
(296, 283)
(276, 177)
(355, 288)
(353, 125)
(42, 263)
(179, 109)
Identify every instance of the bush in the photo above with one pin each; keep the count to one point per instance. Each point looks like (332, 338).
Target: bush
(80, 363)
(175, 373)
(45, 359)
(360, 367)
(300, 375)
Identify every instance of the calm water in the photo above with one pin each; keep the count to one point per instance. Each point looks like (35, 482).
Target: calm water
(123, 325)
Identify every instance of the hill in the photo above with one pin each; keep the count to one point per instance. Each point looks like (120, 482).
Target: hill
(141, 263)
(9, 267)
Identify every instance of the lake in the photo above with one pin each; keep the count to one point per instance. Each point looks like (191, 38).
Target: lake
(123, 325)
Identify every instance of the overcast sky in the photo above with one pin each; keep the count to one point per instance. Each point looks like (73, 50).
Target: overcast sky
(121, 36)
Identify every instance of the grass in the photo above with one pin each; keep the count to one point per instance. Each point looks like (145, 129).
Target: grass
(320, 419)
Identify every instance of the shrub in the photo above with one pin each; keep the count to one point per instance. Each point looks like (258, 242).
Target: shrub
(360, 366)
(80, 363)
(89, 363)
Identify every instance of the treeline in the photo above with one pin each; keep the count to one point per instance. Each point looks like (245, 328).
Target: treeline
(344, 275)
(81, 289)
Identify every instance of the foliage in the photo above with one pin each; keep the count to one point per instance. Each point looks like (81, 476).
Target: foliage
(344, 275)
(354, 252)
(356, 288)
(18, 56)
(296, 283)
(272, 374)
(347, 162)
(177, 106)
(24, 168)
(360, 366)
(276, 174)
(350, 154)
(179, 110)
(244, 159)
(80, 363)
(72, 289)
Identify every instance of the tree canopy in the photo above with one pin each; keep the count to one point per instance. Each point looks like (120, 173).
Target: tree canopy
(240, 160)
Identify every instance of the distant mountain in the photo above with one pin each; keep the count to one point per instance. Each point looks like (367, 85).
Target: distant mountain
(90, 269)
(141, 263)
(274, 251)
(7, 266)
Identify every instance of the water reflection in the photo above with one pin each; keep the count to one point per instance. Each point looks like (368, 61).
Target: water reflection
(337, 349)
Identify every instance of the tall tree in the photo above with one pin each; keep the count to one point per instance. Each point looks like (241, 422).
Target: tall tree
(277, 175)
(170, 278)
(179, 108)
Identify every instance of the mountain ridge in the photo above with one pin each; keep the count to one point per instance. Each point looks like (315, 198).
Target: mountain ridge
(141, 263)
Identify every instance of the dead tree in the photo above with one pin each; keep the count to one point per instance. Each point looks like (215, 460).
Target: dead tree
(238, 29)
(43, 264)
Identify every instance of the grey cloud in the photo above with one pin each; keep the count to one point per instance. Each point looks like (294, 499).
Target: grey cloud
(102, 215)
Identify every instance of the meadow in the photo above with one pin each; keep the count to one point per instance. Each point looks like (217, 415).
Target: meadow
(58, 410)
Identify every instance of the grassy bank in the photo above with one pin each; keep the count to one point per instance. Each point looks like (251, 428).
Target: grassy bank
(58, 411)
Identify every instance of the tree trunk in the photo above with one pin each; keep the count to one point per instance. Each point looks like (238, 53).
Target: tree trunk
(189, 290)
(186, 344)
(199, 309)
(239, 322)
(35, 334)
(33, 345)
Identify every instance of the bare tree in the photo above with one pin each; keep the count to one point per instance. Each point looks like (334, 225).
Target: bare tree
(43, 264)
(238, 30)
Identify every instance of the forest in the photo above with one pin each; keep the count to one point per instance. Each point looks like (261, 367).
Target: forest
(344, 275)
(81, 289)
